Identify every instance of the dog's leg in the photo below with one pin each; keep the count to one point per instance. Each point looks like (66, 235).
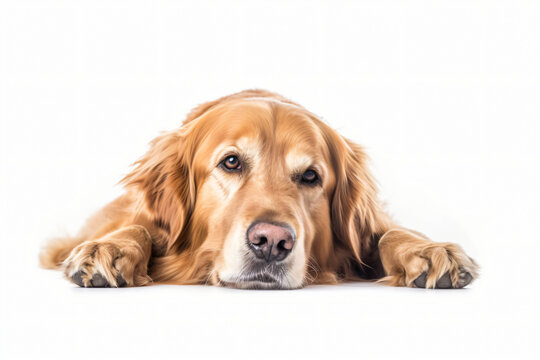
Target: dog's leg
(117, 259)
(410, 259)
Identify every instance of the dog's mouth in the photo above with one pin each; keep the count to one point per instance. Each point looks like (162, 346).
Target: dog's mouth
(263, 278)
(257, 274)
(254, 281)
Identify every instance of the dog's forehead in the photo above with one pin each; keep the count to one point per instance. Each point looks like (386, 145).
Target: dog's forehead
(258, 126)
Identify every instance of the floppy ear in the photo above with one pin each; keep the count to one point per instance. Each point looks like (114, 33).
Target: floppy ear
(357, 216)
(164, 179)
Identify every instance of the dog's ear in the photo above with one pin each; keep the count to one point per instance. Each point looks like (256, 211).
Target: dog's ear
(164, 179)
(164, 175)
(357, 216)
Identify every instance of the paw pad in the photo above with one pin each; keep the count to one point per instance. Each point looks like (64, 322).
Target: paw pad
(445, 282)
(97, 280)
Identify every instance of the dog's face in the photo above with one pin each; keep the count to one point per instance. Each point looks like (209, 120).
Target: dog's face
(260, 189)
(267, 177)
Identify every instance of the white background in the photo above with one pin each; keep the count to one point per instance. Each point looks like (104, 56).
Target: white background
(444, 95)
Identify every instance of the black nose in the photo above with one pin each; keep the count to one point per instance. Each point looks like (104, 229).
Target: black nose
(270, 242)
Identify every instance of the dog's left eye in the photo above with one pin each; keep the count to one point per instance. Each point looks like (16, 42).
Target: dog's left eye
(310, 177)
(231, 163)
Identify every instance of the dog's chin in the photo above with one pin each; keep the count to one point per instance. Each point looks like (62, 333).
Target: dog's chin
(253, 285)
(257, 282)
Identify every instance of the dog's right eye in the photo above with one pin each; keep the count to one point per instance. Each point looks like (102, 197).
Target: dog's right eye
(231, 163)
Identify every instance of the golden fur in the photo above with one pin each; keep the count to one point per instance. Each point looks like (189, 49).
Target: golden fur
(183, 220)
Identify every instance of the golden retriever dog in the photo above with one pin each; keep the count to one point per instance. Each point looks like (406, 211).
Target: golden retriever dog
(253, 191)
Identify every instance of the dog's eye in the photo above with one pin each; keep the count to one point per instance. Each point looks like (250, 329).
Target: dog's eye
(231, 163)
(310, 177)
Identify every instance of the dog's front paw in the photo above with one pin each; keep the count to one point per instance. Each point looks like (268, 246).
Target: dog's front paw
(439, 266)
(412, 260)
(108, 263)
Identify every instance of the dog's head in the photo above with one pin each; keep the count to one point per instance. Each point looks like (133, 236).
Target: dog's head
(254, 191)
